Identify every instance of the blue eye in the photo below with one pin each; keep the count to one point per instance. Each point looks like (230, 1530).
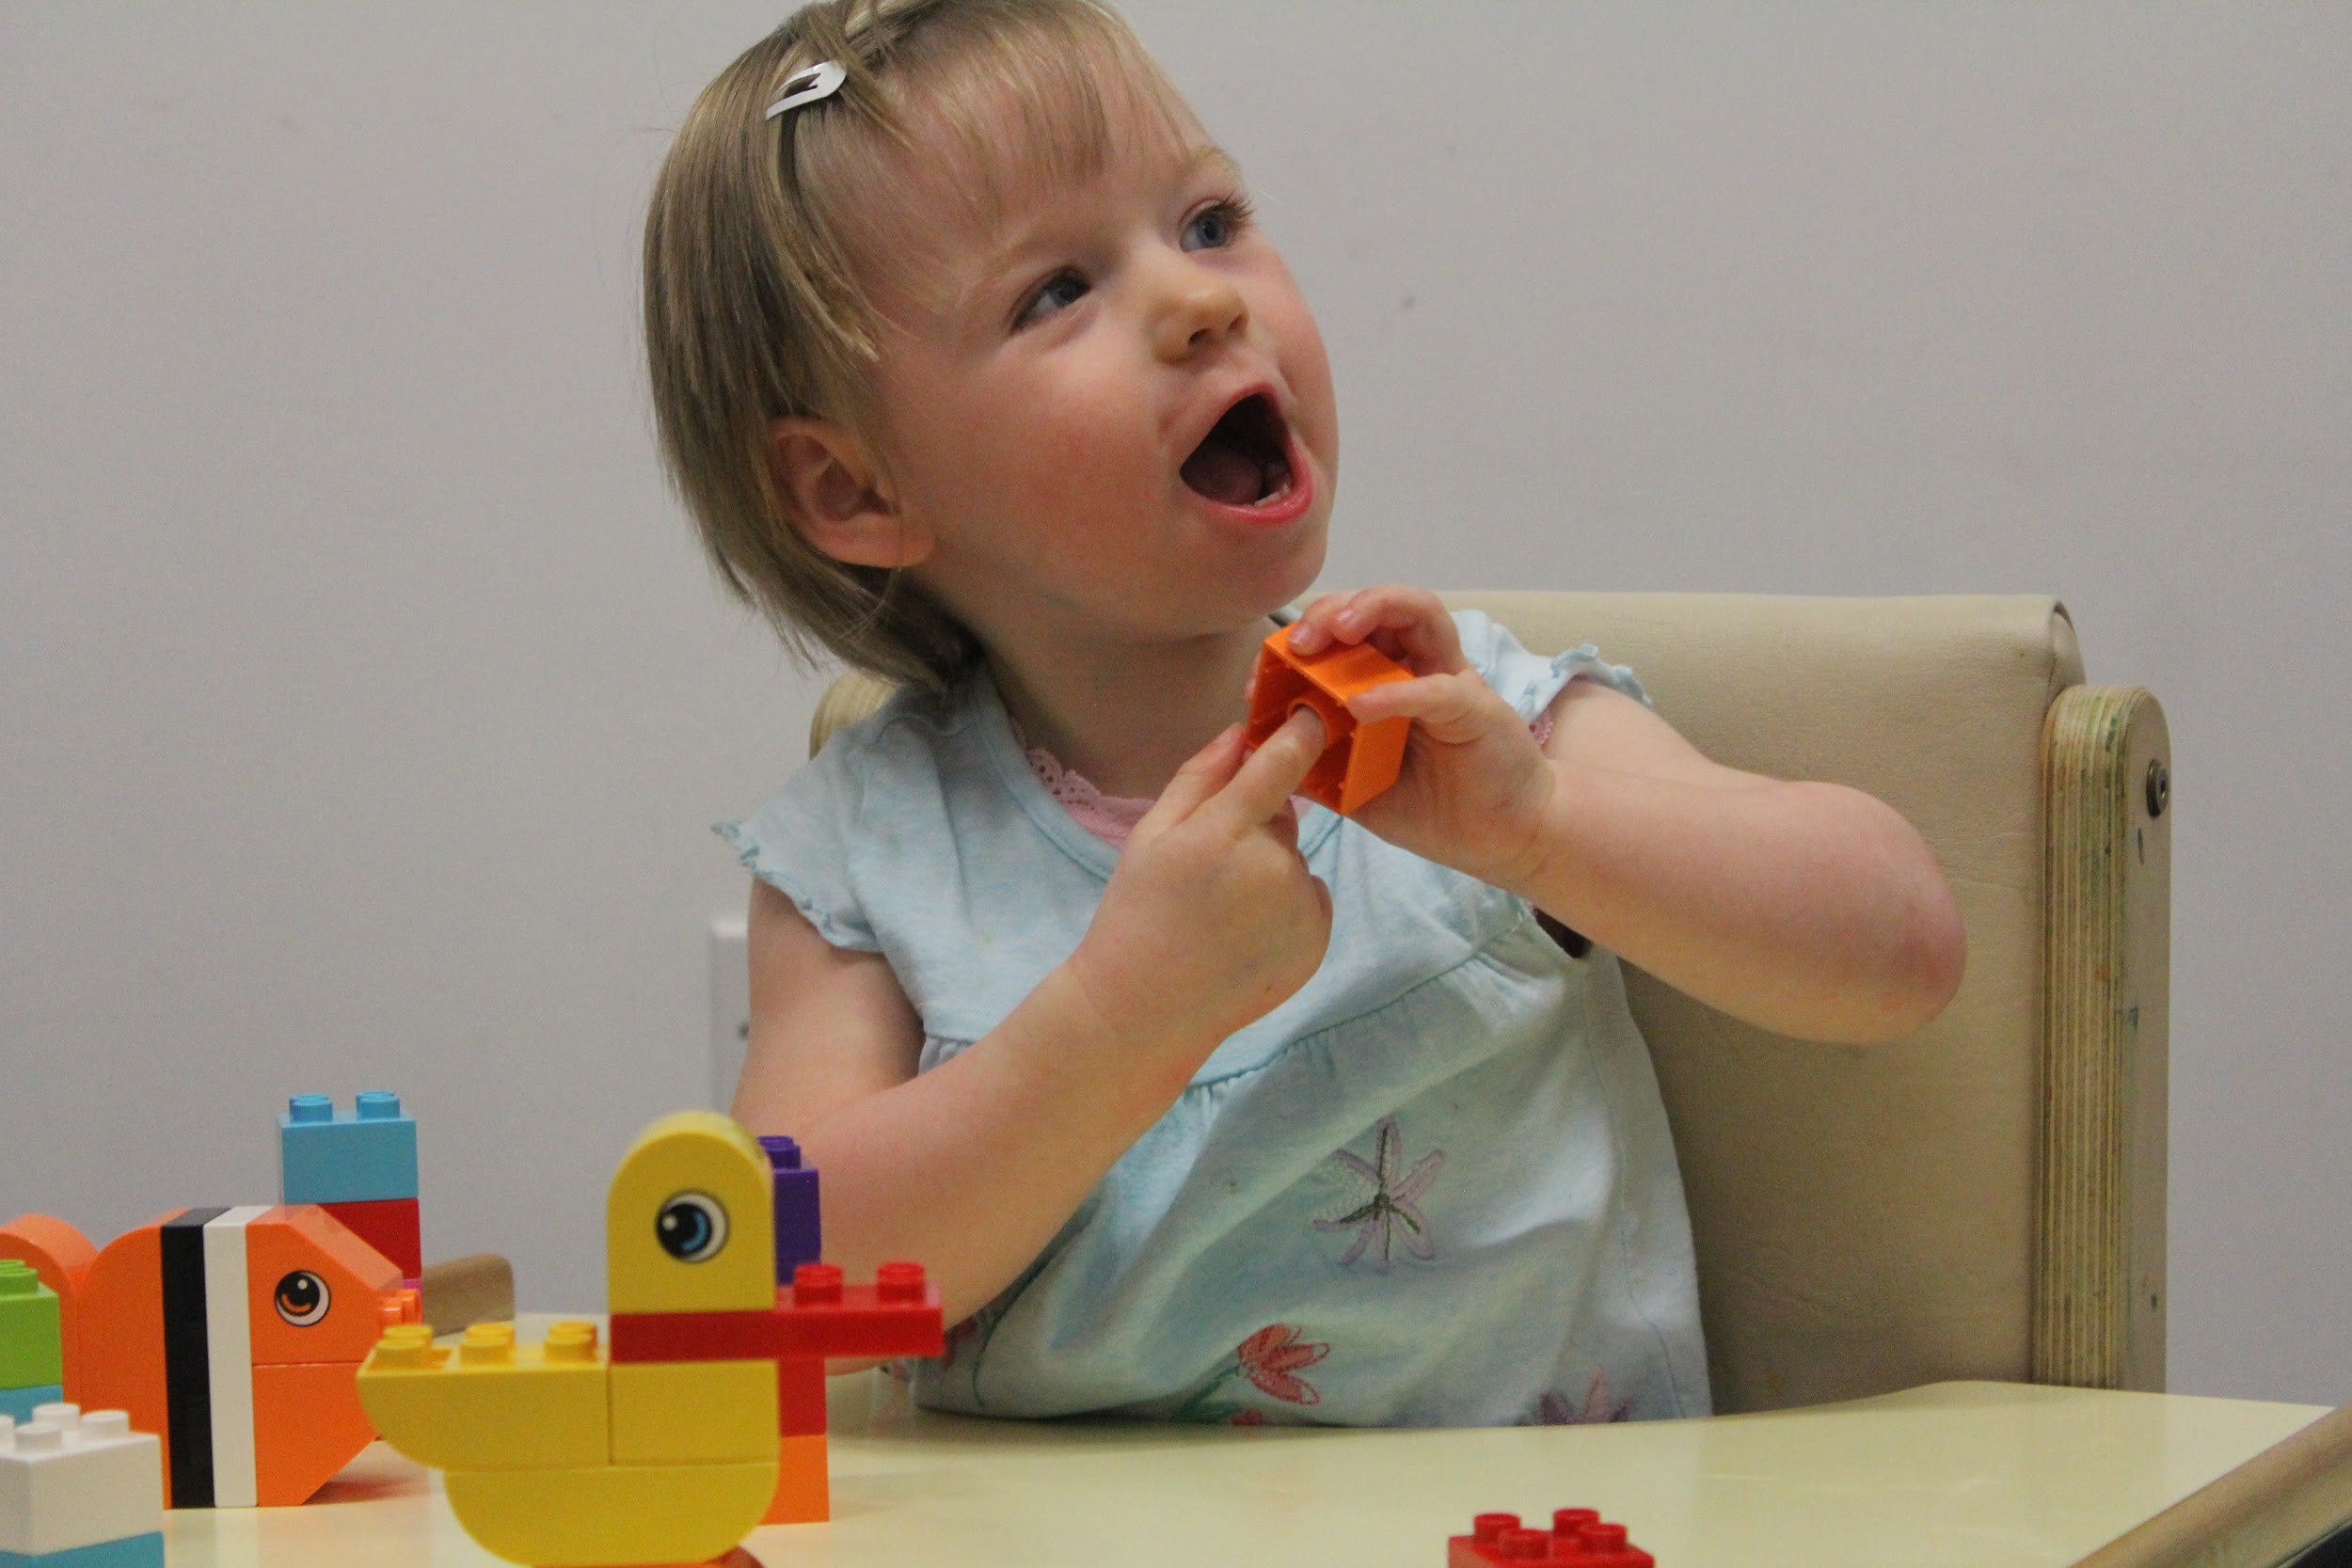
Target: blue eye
(691, 1227)
(1215, 226)
(1062, 290)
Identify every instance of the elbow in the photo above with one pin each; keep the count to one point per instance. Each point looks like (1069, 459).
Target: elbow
(1923, 971)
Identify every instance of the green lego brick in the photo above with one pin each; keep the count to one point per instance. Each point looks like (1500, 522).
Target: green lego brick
(31, 1350)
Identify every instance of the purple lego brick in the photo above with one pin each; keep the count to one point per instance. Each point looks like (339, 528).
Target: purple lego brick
(799, 1235)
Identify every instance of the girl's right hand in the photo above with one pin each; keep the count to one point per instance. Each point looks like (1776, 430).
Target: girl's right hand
(1211, 918)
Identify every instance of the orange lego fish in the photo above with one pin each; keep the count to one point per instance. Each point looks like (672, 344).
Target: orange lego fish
(233, 1335)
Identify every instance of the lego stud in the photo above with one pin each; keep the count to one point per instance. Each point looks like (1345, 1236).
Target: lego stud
(405, 1345)
(100, 1425)
(816, 1285)
(900, 1282)
(1526, 1546)
(572, 1341)
(1487, 1528)
(310, 1107)
(376, 1105)
(58, 1414)
(782, 1153)
(16, 1277)
(488, 1345)
(1602, 1538)
(1569, 1521)
(40, 1437)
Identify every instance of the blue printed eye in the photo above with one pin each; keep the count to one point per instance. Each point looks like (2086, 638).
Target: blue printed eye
(692, 1228)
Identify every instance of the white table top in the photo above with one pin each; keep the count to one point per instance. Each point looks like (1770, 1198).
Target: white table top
(1967, 1475)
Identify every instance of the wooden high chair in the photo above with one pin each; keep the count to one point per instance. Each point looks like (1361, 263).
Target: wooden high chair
(1985, 1199)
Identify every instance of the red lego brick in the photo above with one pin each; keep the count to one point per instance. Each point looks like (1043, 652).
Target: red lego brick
(799, 1397)
(817, 1317)
(390, 1225)
(1579, 1538)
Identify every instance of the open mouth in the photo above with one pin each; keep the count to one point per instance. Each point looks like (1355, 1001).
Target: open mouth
(1245, 461)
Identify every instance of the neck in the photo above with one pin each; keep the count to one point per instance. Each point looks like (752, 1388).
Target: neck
(1127, 716)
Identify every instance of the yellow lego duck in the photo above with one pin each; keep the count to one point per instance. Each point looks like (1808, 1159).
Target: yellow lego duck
(563, 1455)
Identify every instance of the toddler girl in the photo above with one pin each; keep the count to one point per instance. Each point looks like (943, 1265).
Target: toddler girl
(976, 372)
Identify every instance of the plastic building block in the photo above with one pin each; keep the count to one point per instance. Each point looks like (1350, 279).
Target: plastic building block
(689, 1233)
(61, 1255)
(493, 1405)
(460, 1292)
(235, 1334)
(18, 1404)
(32, 1339)
(688, 1194)
(1358, 760)
(801, 1397)
(693, 1412)
(818, 1316)
(391, 1225)
(369, 1155)
(804, 1489)
(69, 1482)
(611, 1513)
(1579, 1538)
(132, 1551)
(800, 1228)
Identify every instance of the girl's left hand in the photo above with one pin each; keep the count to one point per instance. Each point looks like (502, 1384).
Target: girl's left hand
(1474, 787)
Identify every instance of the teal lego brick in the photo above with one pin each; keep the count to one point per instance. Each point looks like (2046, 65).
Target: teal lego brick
(366, 1157)
(19, 1403)
(31, 1350)
(132, 1551)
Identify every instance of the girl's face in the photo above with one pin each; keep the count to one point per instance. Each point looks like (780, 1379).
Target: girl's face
(1107, 412)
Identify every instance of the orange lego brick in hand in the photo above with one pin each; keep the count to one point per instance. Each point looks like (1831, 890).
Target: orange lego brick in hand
(1358, 760)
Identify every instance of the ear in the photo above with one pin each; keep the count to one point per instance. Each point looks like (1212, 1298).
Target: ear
(836, 498)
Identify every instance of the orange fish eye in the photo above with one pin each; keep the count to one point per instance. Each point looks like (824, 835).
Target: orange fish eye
(301, 1298)
(692, 1228)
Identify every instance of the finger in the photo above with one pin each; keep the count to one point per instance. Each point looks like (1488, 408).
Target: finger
(1205, 772)
(1312, 631)
(1408, 625)
(1449, 709)
(1264, 784)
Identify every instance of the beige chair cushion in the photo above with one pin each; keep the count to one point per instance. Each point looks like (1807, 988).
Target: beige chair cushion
(1865, 1215)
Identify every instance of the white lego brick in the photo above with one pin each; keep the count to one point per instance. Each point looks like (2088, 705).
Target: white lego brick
(228, 1345)
(75, 1480)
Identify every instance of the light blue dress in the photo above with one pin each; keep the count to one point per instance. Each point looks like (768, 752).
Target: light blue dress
(1434, 1188)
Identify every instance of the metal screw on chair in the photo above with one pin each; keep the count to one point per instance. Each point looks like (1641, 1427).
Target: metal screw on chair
(2159, 786)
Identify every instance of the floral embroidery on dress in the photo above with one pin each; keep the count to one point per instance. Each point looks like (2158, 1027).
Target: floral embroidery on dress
(1393, 1201)
(1270, 1360)
(1554, 1409)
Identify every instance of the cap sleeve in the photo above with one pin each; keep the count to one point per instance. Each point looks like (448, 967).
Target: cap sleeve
(799, 842)
(1528, 681)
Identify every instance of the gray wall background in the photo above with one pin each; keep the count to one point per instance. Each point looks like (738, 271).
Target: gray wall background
(363, 700)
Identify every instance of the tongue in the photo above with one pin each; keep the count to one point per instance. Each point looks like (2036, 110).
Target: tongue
(1224, 473)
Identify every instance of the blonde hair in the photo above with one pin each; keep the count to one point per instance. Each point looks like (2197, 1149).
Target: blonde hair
(755, 239)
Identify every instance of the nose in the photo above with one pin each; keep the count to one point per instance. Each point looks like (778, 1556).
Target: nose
(1199, 310)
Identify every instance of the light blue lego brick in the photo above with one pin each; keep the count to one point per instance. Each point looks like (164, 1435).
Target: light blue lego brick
(363, 1158)
(18, 1404)
(132, 1551)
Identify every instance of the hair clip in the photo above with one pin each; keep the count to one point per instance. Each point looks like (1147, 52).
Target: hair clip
(818, 81)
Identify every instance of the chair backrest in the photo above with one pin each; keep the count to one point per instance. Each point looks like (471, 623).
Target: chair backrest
(1875, 1217)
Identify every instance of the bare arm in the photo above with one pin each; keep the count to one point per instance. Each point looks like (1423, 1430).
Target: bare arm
(1808, 908)
(1211, 921)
